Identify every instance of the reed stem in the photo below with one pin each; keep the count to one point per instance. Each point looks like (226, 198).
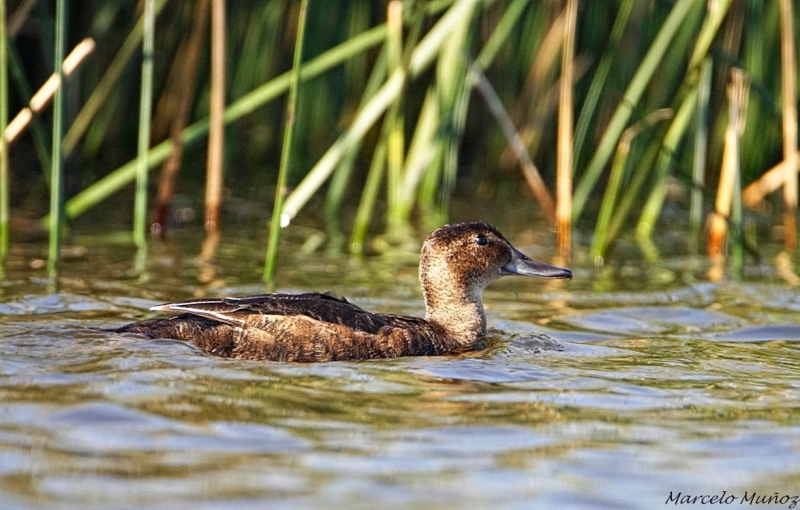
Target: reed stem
(216, 134)
(396, 140)
(565, 132)
(188, 76)
(57, 166)
(338, 187)
(652, 208)
(700, 152)
(420, 152)
(368, 196)
(602, 230)
(737, 227)
(42, 97)
(286, 149)
(769, 181)
(145, 114)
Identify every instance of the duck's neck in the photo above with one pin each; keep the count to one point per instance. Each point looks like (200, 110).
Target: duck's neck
(457, 310)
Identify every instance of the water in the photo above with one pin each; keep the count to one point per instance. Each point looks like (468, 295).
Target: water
(611, 391)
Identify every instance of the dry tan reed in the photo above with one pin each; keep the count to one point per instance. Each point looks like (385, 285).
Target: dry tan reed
(42, 98)
(565, 133)
(185, 93)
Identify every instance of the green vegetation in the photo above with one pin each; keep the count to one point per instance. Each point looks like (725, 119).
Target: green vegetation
(384, 121)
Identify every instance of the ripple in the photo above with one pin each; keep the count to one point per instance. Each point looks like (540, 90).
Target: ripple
(581, 399)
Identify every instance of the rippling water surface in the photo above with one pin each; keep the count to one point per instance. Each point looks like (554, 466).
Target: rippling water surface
(610, 391)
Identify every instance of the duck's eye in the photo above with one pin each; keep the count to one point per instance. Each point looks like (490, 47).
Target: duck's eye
(481, 240)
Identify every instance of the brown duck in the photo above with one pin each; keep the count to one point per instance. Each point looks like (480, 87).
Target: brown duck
(456, 263)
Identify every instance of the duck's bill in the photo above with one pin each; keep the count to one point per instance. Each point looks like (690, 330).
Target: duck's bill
(523, 265)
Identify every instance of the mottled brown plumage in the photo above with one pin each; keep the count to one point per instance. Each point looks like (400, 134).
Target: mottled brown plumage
(456, 263)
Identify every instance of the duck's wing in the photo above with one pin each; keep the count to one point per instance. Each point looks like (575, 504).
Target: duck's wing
(319, 306)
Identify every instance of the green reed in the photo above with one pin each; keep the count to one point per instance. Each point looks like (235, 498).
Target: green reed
(652, 208)
(115, 180)
(145, 113)
(339, 182)
(631, 98)
(287, 148)
(369, 195)
(600, 78)
(680, 123)
(700, 154)
(421, 58)
(57, 165)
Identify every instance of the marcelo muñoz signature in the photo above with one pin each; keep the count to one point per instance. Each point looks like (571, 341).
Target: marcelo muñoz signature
(751, 498)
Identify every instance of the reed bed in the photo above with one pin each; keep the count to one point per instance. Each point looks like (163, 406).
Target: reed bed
(394, 107)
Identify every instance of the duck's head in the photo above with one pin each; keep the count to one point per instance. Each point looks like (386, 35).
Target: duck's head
(458, 261)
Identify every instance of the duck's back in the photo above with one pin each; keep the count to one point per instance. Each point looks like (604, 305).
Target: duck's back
(292, 327)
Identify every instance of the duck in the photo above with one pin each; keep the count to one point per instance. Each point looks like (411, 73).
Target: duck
(457, 262)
